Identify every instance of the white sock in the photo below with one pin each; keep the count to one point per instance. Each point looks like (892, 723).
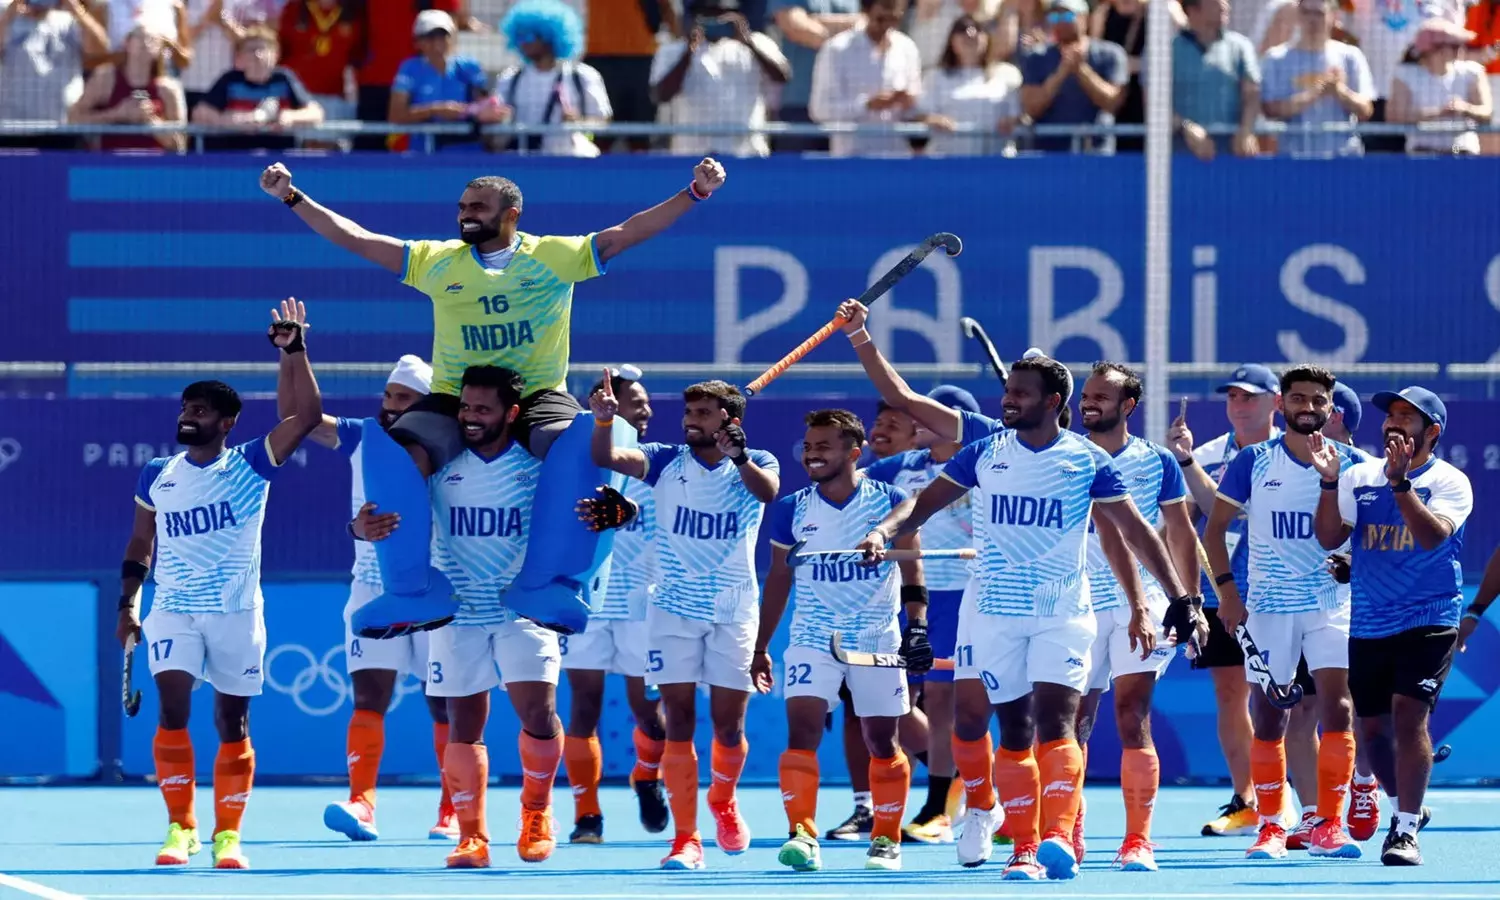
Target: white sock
(1363, 780)
(1406, 823)
(862, 798)
(1309, 809)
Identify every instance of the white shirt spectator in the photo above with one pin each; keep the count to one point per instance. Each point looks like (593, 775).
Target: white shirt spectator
(539, 97)
(1430, 93)
(932, 19)
(41, 67)
(1386, 28)
(156, 16)
(725, 85)
(977, 98)
(213, 48)
(850, 69)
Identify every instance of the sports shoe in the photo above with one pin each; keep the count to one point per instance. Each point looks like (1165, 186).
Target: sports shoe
(653, 803)
(1002, 836)
(1079, 845)
(1136, 854)
(1270, 845)
(686, 853)
(936, 829)
(355, 820)
(1056, 856)
(446, 828)
(1298, 838)
(855, 828)
(801, 852)
(1235, 817)
(1023, 865)
(885, 855)
(1364, 811)
(732, 834)
(227, 852)
(538, 836)
(1329, 839)
(588, 829)
(1401, 850)
(472, 852)
(180, 844)
(974, 836)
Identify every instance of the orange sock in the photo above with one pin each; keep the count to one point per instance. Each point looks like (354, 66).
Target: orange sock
(1268, 774)
(585, 763)
(440, 747)
(1060, 768)
(1020, 787)
(726, 764)
(679, 769)
(1140, 778)
(234, 775)
(466, 768)
(1335, 768)
(974, 761)
(648, 751)
(366, 744)
(173, 752)
(539, 759)
(890, 782)
(799, 789)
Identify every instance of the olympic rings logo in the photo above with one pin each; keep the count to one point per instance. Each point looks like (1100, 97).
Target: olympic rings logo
(319, 688)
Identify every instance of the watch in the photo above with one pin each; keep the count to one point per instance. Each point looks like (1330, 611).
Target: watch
(1401, 487)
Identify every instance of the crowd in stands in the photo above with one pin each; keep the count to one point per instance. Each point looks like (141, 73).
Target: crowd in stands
(977, 73)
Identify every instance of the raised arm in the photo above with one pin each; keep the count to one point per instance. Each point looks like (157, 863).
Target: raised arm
(1329, 526)
(625, 460)
(383, 250)
(763, 482)
(326, 433)
(287, 333)
(708, 177)
(1448, 506)
(910, 515)
(942, 421)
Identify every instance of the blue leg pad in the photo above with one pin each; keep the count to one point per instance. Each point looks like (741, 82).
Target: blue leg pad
(566, 565)
(416, 593)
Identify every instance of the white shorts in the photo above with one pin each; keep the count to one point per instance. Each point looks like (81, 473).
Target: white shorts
(1011, 653)
(228, 650)
(405, 655)
(1284, 638)
(472, 659)
(1112, 655)
(813, 672)
(615, 646)
(687, 651)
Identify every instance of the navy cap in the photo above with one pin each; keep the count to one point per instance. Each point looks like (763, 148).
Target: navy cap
(954, 397)
(1346, 401)
(1254, 378)
(1424, 400)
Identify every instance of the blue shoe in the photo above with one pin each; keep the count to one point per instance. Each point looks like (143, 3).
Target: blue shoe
(393, 615)
(1056, 856)
(354, 820)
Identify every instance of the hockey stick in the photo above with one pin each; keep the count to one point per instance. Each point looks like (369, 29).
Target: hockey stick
(1281, 696)
(859, 658)
(130, 698)
(974, 330)
(795, 557)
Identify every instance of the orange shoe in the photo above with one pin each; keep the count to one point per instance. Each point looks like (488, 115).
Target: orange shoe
(473, 853)
(1270, 845)
(537, 839)
(733, 834)
(1301, 836)
(1364, 811)
(1329, 840)
(1136, 854)
(686, 854)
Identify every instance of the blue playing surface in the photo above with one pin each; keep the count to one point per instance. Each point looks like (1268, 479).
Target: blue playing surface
(99, 842)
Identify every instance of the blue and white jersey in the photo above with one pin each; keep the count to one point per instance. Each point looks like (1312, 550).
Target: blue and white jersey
(951, 528)
(1031, 519)
(1396, 585)
(366, 568)
(208, 523)
(632, 574)
(1279, 494)
(1215, 457)
(839, 594)
(1154, 479)
(974, 427)
(482, 516)
(706, 525)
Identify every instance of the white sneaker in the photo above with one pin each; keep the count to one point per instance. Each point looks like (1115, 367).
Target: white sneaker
(976, 829)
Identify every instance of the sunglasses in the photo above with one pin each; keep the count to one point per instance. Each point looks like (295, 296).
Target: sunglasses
(1061, 16)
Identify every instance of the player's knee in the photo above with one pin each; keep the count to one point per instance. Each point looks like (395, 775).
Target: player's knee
(437, 707)
(1409, 719)
(730, 734)
(583, 713)
(233, 721)
(1230, 690)
(880, 737)
(373, 689)
(1336, 713)
(172, 716)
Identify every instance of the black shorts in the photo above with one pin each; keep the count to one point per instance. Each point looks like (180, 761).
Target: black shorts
(1304, 678)
(1222, 650)
(432, 422)
(1413, 663)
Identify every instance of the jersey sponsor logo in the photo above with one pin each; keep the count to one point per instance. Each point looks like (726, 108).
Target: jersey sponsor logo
(1429, 685)
(1075, 663)
(809, 528)
(454, 288)
(1365, 498)
(1272, 483)
(843, 570)
(1291, 526)
(706, 526)
(455, 478)
(1036, 512)
(485, 521)
(1387, 538)
(201, 520)
(1000, 466)
(166, 485)
(497, 336)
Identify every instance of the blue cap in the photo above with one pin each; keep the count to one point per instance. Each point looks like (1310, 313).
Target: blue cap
(1346, 401)
(1426, 402)
(1254, 378)
(954, 397)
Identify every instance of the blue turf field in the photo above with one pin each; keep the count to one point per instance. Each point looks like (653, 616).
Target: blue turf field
(65, 843)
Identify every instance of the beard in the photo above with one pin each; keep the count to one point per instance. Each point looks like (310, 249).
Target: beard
(1101, 424)
(388, 417)
(1418, 440)
(1022, 419)
(703, 439)
(193, 436)
(1296, 423)
(829, 472)
(486, 231)
(486, 437)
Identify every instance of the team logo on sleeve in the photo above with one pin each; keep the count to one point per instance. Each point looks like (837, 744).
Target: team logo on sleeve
(454, 288)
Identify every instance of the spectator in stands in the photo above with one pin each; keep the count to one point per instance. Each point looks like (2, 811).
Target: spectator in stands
(165, 18)
(1437, 86)
(1386, 29)
(805, 26)
(721, 74)
(42, 48)
(388, 26)
(437, 86)
(931, 25)
(870, 75)
(136, 91)
(1484, 20)
(1019, 26)
(1215, 83)
(1314, 81)
(320, 41)
(1123, 22)
(213, 27)
(551, 86)
(1073, 79)
(620, 45)
(967, 90)
(257, 96)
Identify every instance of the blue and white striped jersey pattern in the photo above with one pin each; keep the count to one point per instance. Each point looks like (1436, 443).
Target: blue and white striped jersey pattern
(632, 576)
(707, 522)
(483, 521)
(1215, 457)
(1279, 493)
(1154, 480)
(1031, 520)
(951, 528)
(837, 593)
(208, 524)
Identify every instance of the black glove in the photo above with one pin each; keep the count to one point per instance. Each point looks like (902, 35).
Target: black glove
(736, 436)
(1184, 617)
(1338, 567)
(284, 327)
(610, 509)
(915, 647)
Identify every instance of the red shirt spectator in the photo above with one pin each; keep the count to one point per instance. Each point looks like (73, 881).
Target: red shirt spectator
(388, 29)
(319, 40)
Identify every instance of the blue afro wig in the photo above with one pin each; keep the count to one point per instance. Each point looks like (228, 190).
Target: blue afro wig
(550, 20)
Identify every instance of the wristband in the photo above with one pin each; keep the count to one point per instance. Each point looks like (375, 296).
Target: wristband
(1223, 578)
(350, 528)
(1329, 485)
(604, 423)
(127, 601)
(132, 569)
(914, 593)
(1187, 463)
(854, 337)
(693, 192)
(741, 460)
(293, 198)
(1401, 487)
(1471, 614)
